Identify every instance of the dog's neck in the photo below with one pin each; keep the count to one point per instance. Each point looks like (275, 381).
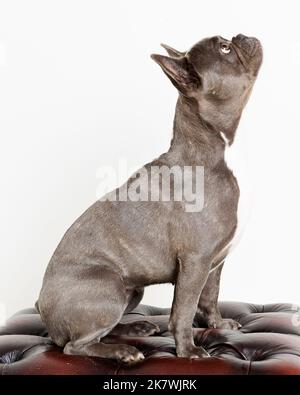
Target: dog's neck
(194, 139)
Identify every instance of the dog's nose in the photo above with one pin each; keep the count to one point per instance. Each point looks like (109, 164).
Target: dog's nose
(241, 37)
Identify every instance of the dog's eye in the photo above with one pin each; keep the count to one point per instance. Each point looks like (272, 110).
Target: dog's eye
(225, 48)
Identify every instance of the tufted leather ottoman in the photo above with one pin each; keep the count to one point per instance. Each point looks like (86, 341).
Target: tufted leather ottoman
(268, 343)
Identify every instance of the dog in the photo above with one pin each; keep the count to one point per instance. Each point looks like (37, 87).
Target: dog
(116, 248)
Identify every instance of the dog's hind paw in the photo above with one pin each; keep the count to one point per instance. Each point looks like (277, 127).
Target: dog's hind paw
(227, 323)
(128, 354)
(142, 328)
(136, 328)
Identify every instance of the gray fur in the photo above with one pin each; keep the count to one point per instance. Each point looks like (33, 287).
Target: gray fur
(115, 249)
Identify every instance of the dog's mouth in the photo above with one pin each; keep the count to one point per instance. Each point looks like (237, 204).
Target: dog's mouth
(249, 51)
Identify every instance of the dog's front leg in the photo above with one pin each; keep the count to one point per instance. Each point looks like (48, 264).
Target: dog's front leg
(192, 276)
(208, 313)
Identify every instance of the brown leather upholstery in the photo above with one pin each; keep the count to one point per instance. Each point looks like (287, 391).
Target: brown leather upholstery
(269, 343)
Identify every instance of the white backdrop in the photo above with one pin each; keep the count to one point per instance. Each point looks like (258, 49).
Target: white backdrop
(78, 90)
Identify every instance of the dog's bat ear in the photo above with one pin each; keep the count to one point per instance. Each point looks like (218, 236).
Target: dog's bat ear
(173, 52)
(180, 71)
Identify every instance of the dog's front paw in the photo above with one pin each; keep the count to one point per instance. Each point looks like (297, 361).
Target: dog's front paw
(142, 328)
(227, 323)
(193, 352)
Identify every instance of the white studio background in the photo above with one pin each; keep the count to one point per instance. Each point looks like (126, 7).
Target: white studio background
(78, 90)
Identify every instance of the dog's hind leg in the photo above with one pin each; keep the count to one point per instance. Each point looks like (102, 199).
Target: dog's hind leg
(122, 352)
(86, 312)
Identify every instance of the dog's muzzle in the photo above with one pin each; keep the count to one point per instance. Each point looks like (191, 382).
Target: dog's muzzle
(248, 45)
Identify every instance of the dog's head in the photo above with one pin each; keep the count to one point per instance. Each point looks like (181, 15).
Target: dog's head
(219, 74)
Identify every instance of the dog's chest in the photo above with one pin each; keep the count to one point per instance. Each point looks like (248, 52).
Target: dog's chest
(235, 161)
